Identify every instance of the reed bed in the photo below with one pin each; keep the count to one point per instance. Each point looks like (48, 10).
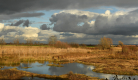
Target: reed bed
(39, 50)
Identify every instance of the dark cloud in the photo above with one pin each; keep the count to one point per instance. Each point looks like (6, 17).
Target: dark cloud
(10, 7)
(17, 23)
(26, 23)
(116, 24)
(44, 27)
(66, 34)
(19, 15)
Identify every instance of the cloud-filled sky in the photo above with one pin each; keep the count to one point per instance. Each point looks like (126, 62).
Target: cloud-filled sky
(80, 21)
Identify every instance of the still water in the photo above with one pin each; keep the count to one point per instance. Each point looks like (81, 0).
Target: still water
(42, 68)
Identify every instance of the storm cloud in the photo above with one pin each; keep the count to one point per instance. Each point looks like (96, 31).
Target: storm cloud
(44, 27)
(24, 22)
(17, 23)
(118, 23)
(34, 5)
(18, 15)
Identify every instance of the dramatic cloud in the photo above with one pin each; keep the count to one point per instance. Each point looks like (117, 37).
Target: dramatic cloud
(9, 33)
(18, 15)
(44, 27)
(118, 23)
(32, 5)
(26, 23)
(17, 23)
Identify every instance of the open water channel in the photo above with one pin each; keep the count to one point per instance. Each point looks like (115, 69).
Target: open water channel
(42, 68)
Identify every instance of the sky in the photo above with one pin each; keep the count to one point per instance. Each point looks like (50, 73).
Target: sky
(79, 21)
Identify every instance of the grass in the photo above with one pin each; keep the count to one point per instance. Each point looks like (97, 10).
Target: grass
(55, 65)
(18, 74)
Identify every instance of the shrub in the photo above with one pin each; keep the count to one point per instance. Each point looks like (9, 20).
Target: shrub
(133, 48)
(75, 45)
(129, 49)
(120, 43)
(125, 49)
(105, 43)
(52, 40)
(2, 42)
(60, 44)
(16, 42)
(83, 45)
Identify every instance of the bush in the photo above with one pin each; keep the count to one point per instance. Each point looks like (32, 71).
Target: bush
(60, 44)
(105, 43)
(83, 45)
(120, 43)
(133, 48)
(129, 49)
(125, 49)
(75, 45)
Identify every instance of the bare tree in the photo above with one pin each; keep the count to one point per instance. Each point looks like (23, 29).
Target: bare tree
(2, 42)
(120, 43)
(105, 43)
(29, 42)
(52, 40)
(16, 41)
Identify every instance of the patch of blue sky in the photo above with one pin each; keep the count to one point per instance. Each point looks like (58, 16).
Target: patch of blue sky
(38, 21)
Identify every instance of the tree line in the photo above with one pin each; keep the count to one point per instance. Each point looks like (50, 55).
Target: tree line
(104, 43)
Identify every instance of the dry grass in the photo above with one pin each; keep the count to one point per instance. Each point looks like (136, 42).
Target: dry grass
(17, 74)
(38, 50)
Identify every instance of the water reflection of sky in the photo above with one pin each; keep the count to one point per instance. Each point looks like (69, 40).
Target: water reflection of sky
(42, 68)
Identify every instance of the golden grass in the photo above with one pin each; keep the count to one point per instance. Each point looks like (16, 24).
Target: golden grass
(38, 50)
(17, 74)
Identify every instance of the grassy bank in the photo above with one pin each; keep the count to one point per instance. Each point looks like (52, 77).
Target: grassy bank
(18, 74)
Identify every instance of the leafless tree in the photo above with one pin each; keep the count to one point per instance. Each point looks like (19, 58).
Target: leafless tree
(2, 42)
(52, 40)
(16, 41)
(29, 42)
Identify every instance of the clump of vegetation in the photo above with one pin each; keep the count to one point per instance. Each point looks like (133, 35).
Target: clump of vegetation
(75, 45)
(2, 42)
(105, 43)
(55, 65)
(29, 42)
(52, 40)
(60, 44)
(120, 43)
(83, 46)
(16, 42)
(129, 49)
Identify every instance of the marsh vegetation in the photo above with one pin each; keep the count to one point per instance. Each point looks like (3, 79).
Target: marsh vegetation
(121, 59)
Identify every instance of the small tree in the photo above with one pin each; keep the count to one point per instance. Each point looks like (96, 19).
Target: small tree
(105, 43)
(29, 42)
(2, 42)
(52, 40)
(16, 42)
(120, 43)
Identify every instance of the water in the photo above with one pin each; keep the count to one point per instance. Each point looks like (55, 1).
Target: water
(42, 68)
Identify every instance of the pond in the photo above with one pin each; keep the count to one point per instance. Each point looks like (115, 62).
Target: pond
(42, 68)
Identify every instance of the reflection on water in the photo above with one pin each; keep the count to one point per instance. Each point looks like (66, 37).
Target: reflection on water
(34, 78)
(42, 68)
